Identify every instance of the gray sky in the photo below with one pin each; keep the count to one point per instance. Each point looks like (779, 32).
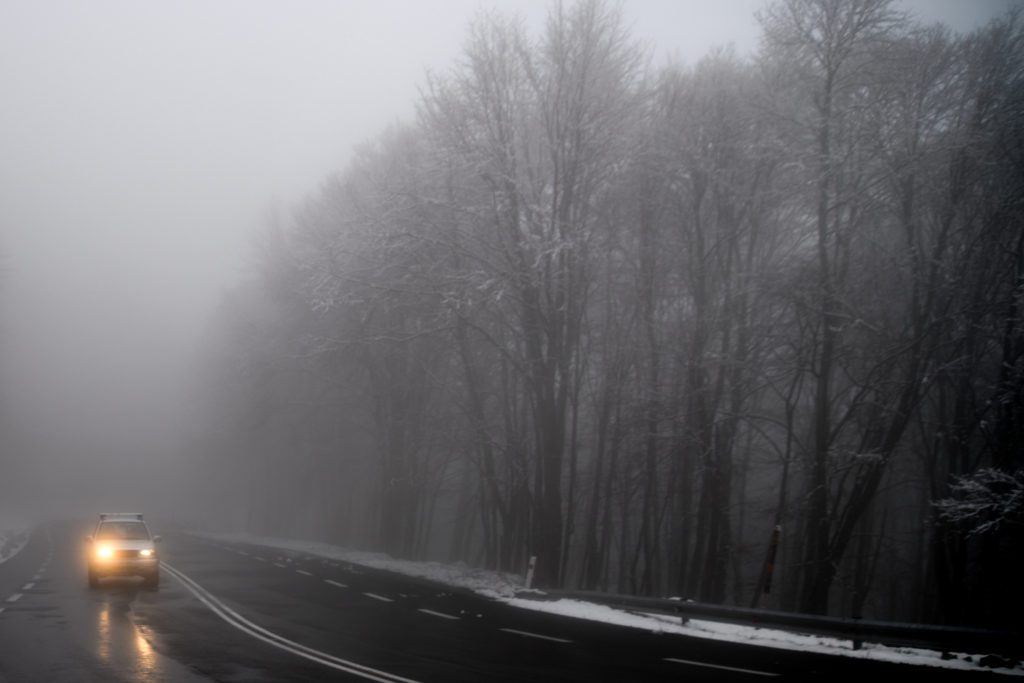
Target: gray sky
(141, 143)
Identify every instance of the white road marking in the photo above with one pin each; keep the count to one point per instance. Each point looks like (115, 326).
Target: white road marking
(282, 566)
(242, 552)
(438, 614)
(719, 666)
(28, 587)
(260, 633)
(378, 597)
(1, 610)
(303, 571)
(14, 598)
(335, 583)
(534, 635)
(261, 559)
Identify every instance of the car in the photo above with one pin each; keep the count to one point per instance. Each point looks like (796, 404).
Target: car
(121, 545)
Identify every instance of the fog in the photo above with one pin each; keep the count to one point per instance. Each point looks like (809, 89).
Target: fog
(143, 145)
(145, 148)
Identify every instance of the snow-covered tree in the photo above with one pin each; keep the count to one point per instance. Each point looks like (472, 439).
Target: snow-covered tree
(985, 502)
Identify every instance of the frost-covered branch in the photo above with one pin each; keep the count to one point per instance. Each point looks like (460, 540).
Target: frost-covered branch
(985, 501)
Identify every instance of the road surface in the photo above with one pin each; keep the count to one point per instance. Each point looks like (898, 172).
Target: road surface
(237, 612)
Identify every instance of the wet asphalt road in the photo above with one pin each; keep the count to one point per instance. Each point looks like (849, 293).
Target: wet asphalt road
(301, 618)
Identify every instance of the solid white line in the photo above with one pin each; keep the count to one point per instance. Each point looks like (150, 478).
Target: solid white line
(534, 635)
(335, 583)
(28, 587)
(378, 597)
(719, 666)
(260, 633)
(14, 598)
(437, 614)
(303, 571)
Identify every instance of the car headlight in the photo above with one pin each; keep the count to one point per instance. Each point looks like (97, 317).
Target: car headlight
(146, 553)
(103, 552)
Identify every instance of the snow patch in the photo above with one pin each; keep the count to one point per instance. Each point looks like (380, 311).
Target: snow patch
(12, 540)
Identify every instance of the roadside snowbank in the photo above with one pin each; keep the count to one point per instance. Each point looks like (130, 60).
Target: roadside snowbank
(504, 587)
(763, 637)
(12, 539)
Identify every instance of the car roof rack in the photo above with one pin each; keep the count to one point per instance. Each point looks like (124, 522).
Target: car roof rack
(121, 515)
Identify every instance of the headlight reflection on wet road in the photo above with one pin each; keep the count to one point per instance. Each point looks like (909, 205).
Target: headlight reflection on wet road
(147, 659)
(123, 645)
(103, 633)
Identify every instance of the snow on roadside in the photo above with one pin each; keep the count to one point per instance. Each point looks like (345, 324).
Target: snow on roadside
(12, 539)
(487, 583)
(504, 587)
(763, 637)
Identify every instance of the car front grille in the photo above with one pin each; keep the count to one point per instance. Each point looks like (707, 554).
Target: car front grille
(126, 553)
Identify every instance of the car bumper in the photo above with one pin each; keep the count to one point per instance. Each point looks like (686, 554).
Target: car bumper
(125, 566)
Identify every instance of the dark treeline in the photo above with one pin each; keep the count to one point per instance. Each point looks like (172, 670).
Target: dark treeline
(628, 320)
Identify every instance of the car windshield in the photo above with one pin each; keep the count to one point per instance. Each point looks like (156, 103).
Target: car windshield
(130, 531)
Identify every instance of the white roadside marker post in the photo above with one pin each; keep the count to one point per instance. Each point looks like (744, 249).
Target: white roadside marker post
(529, 571)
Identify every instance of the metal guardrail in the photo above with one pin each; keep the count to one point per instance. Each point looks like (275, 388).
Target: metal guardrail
(941, 638)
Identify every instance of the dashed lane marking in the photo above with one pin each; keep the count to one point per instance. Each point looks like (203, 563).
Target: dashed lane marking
(438, 614)
(261, 559)
(28, 586)
(335, 583)
(303, 571)
(14, 598)
(534, 635)
(282, 566)
(719, 666)
(378, 597)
